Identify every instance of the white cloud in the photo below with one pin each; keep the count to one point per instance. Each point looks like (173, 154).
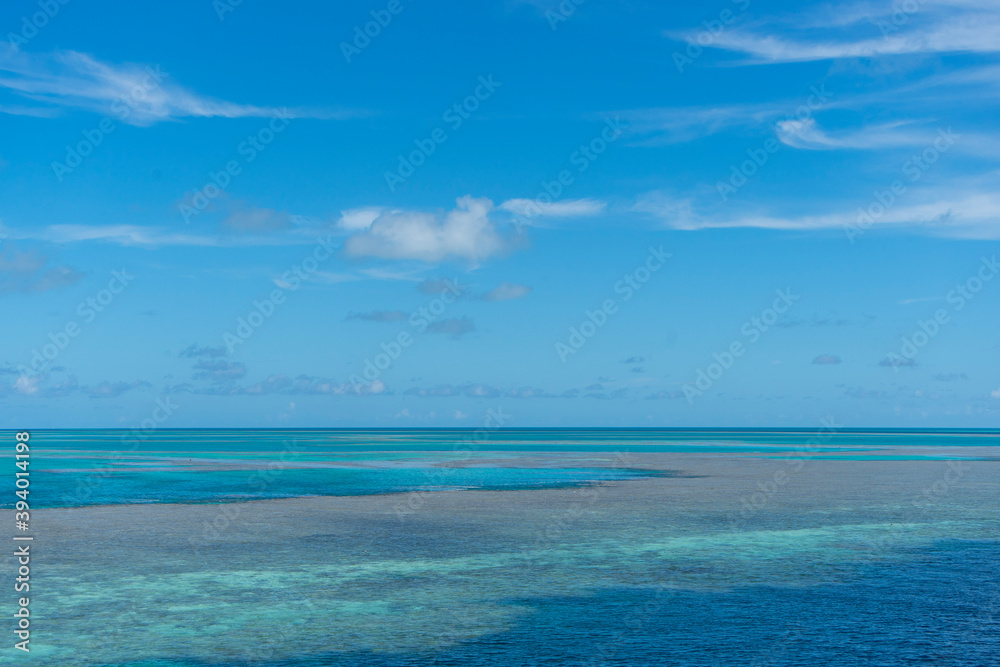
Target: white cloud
(808, 135)
(995, 393)
(876, 30)
(359, 219)
(667, 125)
(134, 94)
(27, 384)
(126, 235)
(954, 37)
(795, 120)
(571, 208)
(465, 232)
(284, 384)
(678, 213)
(148, 236)
(974, 215)
(376, 387)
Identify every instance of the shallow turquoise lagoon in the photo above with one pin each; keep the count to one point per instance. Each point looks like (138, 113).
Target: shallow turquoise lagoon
(315, 548)
(96, 467)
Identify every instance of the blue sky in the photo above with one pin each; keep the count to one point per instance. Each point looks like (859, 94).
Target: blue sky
(622, 214)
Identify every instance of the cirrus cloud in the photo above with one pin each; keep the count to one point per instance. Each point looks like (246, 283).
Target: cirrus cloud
(571, 208)
(73, 80)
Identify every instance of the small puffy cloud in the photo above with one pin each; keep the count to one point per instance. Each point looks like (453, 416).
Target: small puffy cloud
(375, 387)
(28, 385)
(68, 386)
(815, 322)
(469, 390)
(617, 393)
(479, 390)
(219, 370)
(995, 393)
(827, 360)
(464, 233)
(317, 386)
(865, 394)
(898, 362)
(507, 292)
(283, 384)
(273, 384)
(379, 316)
(456, 327)
(665, 395)
(38, 385)
(193, 351)
(114, 389)
(528, 392)
(305, 384)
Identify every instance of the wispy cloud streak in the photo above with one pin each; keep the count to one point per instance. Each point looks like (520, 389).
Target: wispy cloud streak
(136, 94)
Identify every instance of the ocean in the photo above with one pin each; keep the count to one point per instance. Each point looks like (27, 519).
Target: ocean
(215, 548)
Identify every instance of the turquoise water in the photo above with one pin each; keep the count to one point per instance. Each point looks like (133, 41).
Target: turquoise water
(155, 485)
(74, 469)
(98, 467)
(528, 548)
